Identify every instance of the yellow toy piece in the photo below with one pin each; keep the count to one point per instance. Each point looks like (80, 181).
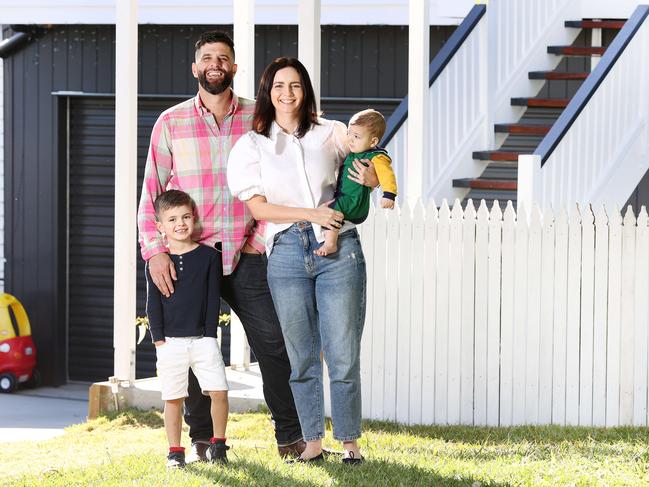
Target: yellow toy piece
(7, 302)
(17, 349)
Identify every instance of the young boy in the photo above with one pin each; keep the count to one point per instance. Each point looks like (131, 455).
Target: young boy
(352, 199)
(183, 326)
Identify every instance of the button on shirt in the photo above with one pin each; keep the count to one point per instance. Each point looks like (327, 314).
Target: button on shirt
(193, 308)
(289, 171)
(189, 151)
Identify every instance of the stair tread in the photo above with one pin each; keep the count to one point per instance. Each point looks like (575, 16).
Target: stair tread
(522, 128)
(576, 50)
(541, 102)
(557, 75)
(483, 183)
(497, 155)
(595, 24)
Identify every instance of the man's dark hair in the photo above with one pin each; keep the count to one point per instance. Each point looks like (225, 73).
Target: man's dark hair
(172, 198)
(264, 109)
(211, 37)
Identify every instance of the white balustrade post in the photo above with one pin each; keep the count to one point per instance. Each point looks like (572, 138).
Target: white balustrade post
(489, 75)
(308, 43)
(418, 77)
(125, 189)
(244, 44)
(529, 180)
(239, 348)
(595, 41)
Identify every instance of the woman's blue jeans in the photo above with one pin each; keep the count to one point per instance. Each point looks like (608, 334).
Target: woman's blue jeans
(320, 302)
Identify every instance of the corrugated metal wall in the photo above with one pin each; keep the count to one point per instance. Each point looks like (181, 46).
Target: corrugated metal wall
(82, 58)
(91, 153)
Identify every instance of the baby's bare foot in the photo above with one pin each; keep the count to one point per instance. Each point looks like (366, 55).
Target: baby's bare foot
(326, 249)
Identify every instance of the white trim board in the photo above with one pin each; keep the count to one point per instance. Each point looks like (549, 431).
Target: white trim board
(267, 12)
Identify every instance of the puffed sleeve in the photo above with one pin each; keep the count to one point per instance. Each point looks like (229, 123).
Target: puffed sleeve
(244, 169)
(340, 140)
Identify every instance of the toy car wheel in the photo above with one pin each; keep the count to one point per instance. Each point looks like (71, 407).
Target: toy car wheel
(35, 380)
(7, 383)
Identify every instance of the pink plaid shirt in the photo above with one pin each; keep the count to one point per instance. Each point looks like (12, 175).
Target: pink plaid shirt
(189, 151)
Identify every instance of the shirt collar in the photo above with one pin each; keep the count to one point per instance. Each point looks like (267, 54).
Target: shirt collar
(276, 130)
(203, 111)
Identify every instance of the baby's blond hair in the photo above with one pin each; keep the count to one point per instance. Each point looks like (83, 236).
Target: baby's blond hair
(371, 120)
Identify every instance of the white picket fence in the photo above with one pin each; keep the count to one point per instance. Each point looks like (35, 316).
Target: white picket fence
(491, 318)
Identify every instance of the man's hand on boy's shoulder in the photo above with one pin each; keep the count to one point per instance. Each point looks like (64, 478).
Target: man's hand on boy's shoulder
(163, 273)
(363, 173)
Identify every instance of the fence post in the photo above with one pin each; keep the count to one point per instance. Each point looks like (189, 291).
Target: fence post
(529, 180)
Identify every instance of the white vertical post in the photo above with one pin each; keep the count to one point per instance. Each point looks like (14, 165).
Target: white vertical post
(308, 42)
(529, 180)
(418, 48)
(239, 348)
(244, 44)
(489, 74)
(596, 41)
(125, 188)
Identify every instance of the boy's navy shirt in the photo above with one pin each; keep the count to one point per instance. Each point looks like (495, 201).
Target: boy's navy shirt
(193, 308)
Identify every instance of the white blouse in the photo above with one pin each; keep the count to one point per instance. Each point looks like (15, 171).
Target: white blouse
(289, 171)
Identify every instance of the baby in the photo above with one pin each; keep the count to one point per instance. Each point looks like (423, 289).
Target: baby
(352, 199)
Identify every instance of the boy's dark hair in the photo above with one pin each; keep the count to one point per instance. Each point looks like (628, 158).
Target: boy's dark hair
(172, 198)
(264, 109)
(371, 120)
(211, 37)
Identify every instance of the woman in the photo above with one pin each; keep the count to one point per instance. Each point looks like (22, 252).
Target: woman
(285, 169)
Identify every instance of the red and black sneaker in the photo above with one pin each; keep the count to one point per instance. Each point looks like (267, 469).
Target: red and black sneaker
(218, 450)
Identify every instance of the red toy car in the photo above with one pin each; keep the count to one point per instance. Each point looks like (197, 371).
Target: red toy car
(17, 350)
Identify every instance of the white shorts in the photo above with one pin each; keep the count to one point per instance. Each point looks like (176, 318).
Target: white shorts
(177, 355)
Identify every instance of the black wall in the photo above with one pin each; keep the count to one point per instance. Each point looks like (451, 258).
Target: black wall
(357, 61)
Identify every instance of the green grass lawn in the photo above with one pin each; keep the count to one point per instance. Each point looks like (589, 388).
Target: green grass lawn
(130, 449)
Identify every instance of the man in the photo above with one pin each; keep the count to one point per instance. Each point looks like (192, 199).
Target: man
(190, 144)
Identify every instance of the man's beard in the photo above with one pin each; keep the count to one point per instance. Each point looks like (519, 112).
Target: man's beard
(217, 87)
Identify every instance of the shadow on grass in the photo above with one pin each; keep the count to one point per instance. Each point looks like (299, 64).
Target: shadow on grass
(371, 473)
(244, 473)
(382, 472)
(506, 435)
(135, 417)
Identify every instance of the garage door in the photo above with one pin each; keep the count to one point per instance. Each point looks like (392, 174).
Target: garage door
(91, 153)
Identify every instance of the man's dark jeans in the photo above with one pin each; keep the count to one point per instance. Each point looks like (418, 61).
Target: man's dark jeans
(246, 291)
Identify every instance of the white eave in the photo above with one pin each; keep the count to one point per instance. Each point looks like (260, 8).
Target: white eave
(219, 12)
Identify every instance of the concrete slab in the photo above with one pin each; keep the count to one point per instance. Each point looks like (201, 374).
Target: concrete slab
(245, 394)
(43, 413)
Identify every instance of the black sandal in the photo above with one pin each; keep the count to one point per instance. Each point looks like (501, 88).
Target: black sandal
(317, 459)
(352, 460)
